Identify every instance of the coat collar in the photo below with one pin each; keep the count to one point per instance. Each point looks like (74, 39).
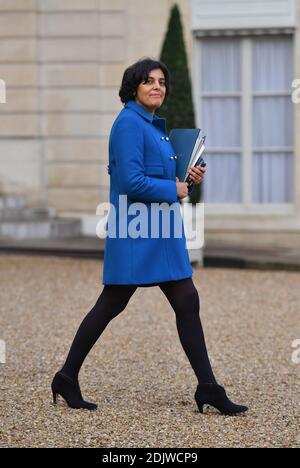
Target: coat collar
(159, 121)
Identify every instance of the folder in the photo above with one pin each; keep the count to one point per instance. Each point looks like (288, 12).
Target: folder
(188, 144)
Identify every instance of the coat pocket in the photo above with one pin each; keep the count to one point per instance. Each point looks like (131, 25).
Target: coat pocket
(154, 169)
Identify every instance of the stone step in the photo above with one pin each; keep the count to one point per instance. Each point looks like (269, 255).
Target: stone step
(12, 202)
(26, 213)
(55, 228)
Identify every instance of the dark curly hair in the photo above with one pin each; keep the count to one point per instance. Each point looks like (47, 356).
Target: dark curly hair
(139, 73)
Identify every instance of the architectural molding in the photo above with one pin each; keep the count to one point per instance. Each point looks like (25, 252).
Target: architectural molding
(214, 15)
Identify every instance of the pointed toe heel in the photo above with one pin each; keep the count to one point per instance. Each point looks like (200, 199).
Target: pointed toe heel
(215, 395)
(70, 391)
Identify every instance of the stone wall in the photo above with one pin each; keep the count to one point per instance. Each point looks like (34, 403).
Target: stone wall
(63, 62)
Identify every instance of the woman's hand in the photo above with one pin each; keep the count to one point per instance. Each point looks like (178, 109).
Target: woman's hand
(197, 174)
(182, 188)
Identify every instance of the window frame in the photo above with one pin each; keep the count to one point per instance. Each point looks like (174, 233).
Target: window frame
(246, 206)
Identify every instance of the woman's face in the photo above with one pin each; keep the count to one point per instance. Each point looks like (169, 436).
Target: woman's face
(152, 93)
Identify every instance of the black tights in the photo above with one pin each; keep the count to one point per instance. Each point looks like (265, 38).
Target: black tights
(184, 299)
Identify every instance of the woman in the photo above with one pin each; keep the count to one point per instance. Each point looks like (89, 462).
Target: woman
(142, 169)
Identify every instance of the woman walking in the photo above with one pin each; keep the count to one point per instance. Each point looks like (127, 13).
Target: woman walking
(142, 168)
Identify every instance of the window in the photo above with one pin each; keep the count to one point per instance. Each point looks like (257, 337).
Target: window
(246, 111)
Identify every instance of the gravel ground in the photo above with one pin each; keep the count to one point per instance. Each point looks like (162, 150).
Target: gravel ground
(137, 372)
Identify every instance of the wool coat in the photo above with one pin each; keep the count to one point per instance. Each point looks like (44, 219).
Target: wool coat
(142, 246)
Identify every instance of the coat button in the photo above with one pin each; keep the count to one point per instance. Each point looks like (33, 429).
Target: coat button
(171, 157)
(175, 157)
(162, 138)
(167, 138)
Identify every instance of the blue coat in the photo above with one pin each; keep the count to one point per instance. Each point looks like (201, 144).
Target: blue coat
(142, 169)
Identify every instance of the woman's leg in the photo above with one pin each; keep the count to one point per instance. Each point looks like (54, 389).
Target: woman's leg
(112, 300)
(184, 299)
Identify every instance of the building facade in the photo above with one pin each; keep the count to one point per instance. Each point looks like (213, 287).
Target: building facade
(63, 61)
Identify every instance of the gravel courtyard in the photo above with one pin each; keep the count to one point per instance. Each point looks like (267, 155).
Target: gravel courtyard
(143, 382)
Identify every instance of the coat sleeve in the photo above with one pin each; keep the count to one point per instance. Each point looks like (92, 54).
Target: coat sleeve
(128, 147)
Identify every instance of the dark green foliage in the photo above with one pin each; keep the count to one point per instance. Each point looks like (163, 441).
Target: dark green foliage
(178, 108)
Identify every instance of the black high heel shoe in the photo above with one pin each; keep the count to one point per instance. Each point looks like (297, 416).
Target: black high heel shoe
(67, 388)
(215, 395)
